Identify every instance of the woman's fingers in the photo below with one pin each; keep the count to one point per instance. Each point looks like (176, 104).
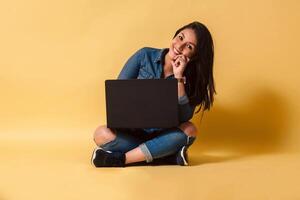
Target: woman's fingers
(180, 59)
(173, 63)
(175, 58)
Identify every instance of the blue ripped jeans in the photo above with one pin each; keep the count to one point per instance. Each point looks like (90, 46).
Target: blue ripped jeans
(154, 143)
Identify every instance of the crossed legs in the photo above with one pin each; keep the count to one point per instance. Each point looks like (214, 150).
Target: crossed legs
(105, 135)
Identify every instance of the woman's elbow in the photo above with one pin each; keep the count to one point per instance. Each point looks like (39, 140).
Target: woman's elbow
(185, 117)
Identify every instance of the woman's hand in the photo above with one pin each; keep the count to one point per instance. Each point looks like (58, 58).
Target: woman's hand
(179, 64)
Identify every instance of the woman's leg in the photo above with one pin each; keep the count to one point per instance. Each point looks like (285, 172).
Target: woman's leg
(116, 140)
(168, 142)
(114, 143)
(134, 155)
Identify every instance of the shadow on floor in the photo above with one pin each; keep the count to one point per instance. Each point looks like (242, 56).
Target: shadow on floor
(257, 127)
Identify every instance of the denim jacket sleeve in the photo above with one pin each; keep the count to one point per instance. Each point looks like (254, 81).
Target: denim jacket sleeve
(186, 111)
(132, 66)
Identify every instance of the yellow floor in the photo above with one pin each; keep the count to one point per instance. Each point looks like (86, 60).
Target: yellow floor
(61, 169)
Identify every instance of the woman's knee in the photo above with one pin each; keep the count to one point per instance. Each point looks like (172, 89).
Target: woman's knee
(103, 135)
(189, 128)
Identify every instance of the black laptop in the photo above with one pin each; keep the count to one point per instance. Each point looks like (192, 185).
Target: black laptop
(141, 103)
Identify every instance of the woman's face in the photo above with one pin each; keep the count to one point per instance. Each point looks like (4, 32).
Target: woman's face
(184, 43)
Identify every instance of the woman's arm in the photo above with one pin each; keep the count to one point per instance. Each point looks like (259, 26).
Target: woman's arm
(132, 66)
(186, 111)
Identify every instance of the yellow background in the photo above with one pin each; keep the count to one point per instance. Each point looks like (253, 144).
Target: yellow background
(55, 56)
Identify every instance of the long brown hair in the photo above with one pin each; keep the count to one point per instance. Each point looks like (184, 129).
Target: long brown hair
(200, 86)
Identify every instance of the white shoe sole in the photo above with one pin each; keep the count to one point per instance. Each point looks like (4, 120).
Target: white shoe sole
(183, 158)
(94, 156)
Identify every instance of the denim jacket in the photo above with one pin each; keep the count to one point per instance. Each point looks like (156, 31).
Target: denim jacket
(147, 63)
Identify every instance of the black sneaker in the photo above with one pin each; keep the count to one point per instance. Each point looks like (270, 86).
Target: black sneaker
(102, 158)
(179, 158)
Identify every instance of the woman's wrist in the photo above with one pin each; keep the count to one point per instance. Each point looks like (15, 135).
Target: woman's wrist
(178, 76)
(181, 79)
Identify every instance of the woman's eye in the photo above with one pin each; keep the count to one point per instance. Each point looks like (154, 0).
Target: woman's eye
(180, 37)
(189, 46)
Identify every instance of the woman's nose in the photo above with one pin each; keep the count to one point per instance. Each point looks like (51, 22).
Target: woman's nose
(180, 46)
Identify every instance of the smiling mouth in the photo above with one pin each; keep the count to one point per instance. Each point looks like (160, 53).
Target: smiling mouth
(176, 51)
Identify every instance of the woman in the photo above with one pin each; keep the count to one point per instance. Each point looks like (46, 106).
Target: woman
(190, 60)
